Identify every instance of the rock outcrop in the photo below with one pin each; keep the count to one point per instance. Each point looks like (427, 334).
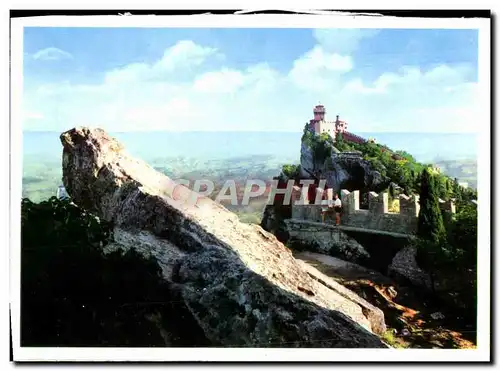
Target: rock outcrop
(273, 221)
(341, 171)
(325, 239)
(404, 267)
(374, 314)
(240, 284)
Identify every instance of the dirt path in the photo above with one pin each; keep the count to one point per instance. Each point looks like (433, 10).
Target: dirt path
(409, 319)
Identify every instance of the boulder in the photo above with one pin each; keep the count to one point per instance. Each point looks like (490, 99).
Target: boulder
(273, 222)
(324, 239)
(404, 267)
(240, 284)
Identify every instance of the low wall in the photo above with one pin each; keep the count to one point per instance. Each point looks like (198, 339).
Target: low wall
(307, 212)
(377, 216)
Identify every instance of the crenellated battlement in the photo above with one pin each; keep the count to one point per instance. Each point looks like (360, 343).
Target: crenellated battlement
(379, 203)
(448, 209)
(377, 216)
(447, 206)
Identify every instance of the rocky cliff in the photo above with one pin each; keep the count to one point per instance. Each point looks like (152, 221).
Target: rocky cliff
(341, 171)
(239, 283)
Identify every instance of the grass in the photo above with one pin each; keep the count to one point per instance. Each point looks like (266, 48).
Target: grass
(394, 341)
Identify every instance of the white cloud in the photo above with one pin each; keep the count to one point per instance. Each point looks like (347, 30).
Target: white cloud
(185, 51)
(342, 40)
(129, 73)
(223, 81)
(151, 96)
(449, 119)
(322, 66)
(172, 115)
(32, 116)
(184, 54)
(413, 78)
(317, 69)
(51, 54)
(357, 86)
(258, 78)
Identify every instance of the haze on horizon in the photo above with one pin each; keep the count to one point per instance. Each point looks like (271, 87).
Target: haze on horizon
(137, 79)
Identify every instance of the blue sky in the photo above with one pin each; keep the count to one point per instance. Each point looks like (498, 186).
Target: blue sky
(128, 79)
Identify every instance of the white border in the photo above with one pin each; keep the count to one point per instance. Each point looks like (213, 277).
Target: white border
(16, 96)
(239, 354)
(250, 21)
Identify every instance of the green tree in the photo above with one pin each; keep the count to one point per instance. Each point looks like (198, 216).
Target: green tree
(377, 165)
(430, 219)
(462, 238)
(442, 186)
(339, 138)
(291, 171)
(431, 232)
(341, 144)
(73, 294)
(457, 191)
(322, 148)
(406, 156)
(462, 235)
(307, 136)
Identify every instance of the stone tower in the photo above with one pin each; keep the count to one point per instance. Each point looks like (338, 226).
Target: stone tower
(319, 112)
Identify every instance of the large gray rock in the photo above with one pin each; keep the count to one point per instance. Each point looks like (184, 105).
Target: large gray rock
(404, 266)
(241, 285)
(374, 314)
(307, 163)
(341, 171)
(325, 239)
(273, 219)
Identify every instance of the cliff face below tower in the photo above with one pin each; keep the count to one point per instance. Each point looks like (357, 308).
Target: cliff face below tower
(341, 170)
(239, 283)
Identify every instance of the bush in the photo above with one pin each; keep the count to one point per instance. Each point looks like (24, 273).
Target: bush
(462, 235)
(307, 136)
(402, 168)
(72, 294)
(322, 148)
(443, 253)
(342, 145)
(291, 171)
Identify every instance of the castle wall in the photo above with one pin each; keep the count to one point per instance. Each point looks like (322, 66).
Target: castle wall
(325, 127)
(307, 212)
(376, 217)
(350, 137)
(447, 210)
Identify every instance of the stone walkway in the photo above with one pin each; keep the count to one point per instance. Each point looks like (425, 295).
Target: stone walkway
(354, 229)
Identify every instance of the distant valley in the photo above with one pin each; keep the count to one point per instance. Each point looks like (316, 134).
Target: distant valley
(463, 170)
